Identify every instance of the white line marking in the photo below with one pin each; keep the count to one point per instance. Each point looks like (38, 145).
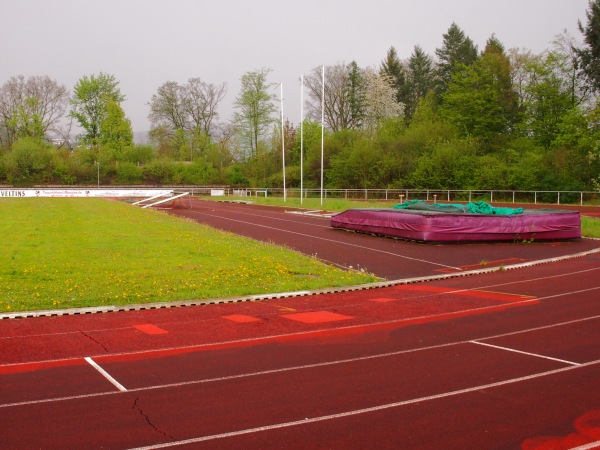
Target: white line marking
(106, 375)
(363, 410)
(525, 353)
(280, 370)
(544, 327)
(315, 332)
(335, 241)
(421, 296)
(589, 446)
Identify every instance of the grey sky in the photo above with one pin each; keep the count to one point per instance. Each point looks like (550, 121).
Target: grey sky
(145, 43)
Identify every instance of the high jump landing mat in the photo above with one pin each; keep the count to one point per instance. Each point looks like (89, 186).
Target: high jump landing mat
(432, 226)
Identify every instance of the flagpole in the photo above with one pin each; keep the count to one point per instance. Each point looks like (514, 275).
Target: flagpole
(301, 137)
(283, 146)
(322, 127)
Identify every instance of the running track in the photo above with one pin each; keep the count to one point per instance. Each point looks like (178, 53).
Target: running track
(387, 258)
(505, 359)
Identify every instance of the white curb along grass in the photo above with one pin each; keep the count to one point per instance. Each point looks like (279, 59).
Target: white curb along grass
(280, 295)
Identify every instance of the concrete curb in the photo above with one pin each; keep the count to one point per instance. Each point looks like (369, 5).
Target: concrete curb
(280, 295)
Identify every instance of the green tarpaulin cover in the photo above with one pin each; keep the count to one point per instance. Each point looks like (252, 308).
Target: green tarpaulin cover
(469, 208)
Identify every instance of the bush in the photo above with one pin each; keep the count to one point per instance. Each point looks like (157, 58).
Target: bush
(28, 162)
(159, 171)
(129, 173)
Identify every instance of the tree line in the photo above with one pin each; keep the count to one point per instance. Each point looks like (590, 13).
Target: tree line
(463, 118)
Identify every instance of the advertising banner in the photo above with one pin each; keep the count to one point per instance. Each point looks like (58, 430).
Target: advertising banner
(47, 192)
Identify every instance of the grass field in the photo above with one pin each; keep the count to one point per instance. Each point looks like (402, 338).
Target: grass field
(66, 253)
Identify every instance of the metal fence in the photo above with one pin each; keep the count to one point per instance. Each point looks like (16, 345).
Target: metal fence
(434, 195)
(431, 195)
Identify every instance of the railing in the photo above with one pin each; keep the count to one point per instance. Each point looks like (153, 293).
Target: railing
(399, 195)
(435, 195)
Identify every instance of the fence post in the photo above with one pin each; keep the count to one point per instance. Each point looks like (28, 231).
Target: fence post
(558, 201)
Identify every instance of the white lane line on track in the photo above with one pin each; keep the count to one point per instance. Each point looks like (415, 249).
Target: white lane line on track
(479, 288)
(334, 241)
(105, 374)
(372, 409)
(589, 446)
(512, 350)
(285, 369)
(305, 333)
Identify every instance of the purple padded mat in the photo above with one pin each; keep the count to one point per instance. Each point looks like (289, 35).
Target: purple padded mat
(536, 224)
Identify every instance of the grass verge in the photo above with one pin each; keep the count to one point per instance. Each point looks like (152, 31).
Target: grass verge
(66, 253)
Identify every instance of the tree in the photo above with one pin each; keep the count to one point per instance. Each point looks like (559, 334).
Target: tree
(31, 107)
(356, 90)
(564, 48)
(115, 129)
(545, 99)
(90, 98)
(393, 67)
(167, 107)
(589, 55)
(420, 79)
(340, 107)
(379, 99)
(191, 107)
(480, 100)
(456, 51)
(254, 109)
(201, 101)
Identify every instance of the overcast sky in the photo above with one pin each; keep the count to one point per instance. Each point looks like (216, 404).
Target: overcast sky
(145, 43)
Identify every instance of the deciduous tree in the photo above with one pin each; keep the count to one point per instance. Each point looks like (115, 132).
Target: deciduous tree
(31, 107)
(480, 100)
(379, 99)
(115, 129)
(254, 109)
(339, 110)
(90, 99)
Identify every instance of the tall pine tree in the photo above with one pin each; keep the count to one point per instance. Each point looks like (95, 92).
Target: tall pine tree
(393, 68)
(590, 54)
(457, 50)
(421, 79)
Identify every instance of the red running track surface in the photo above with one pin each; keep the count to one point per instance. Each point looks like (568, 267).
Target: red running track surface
(509, 359)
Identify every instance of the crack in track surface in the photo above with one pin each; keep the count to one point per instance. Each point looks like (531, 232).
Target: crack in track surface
(96, 341)
(137, 408)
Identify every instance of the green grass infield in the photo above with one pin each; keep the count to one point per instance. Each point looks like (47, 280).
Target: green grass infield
(61, 253)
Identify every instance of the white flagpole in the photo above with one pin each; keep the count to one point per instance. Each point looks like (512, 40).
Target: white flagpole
(301, 137)
(283, 146)
(322, 128)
